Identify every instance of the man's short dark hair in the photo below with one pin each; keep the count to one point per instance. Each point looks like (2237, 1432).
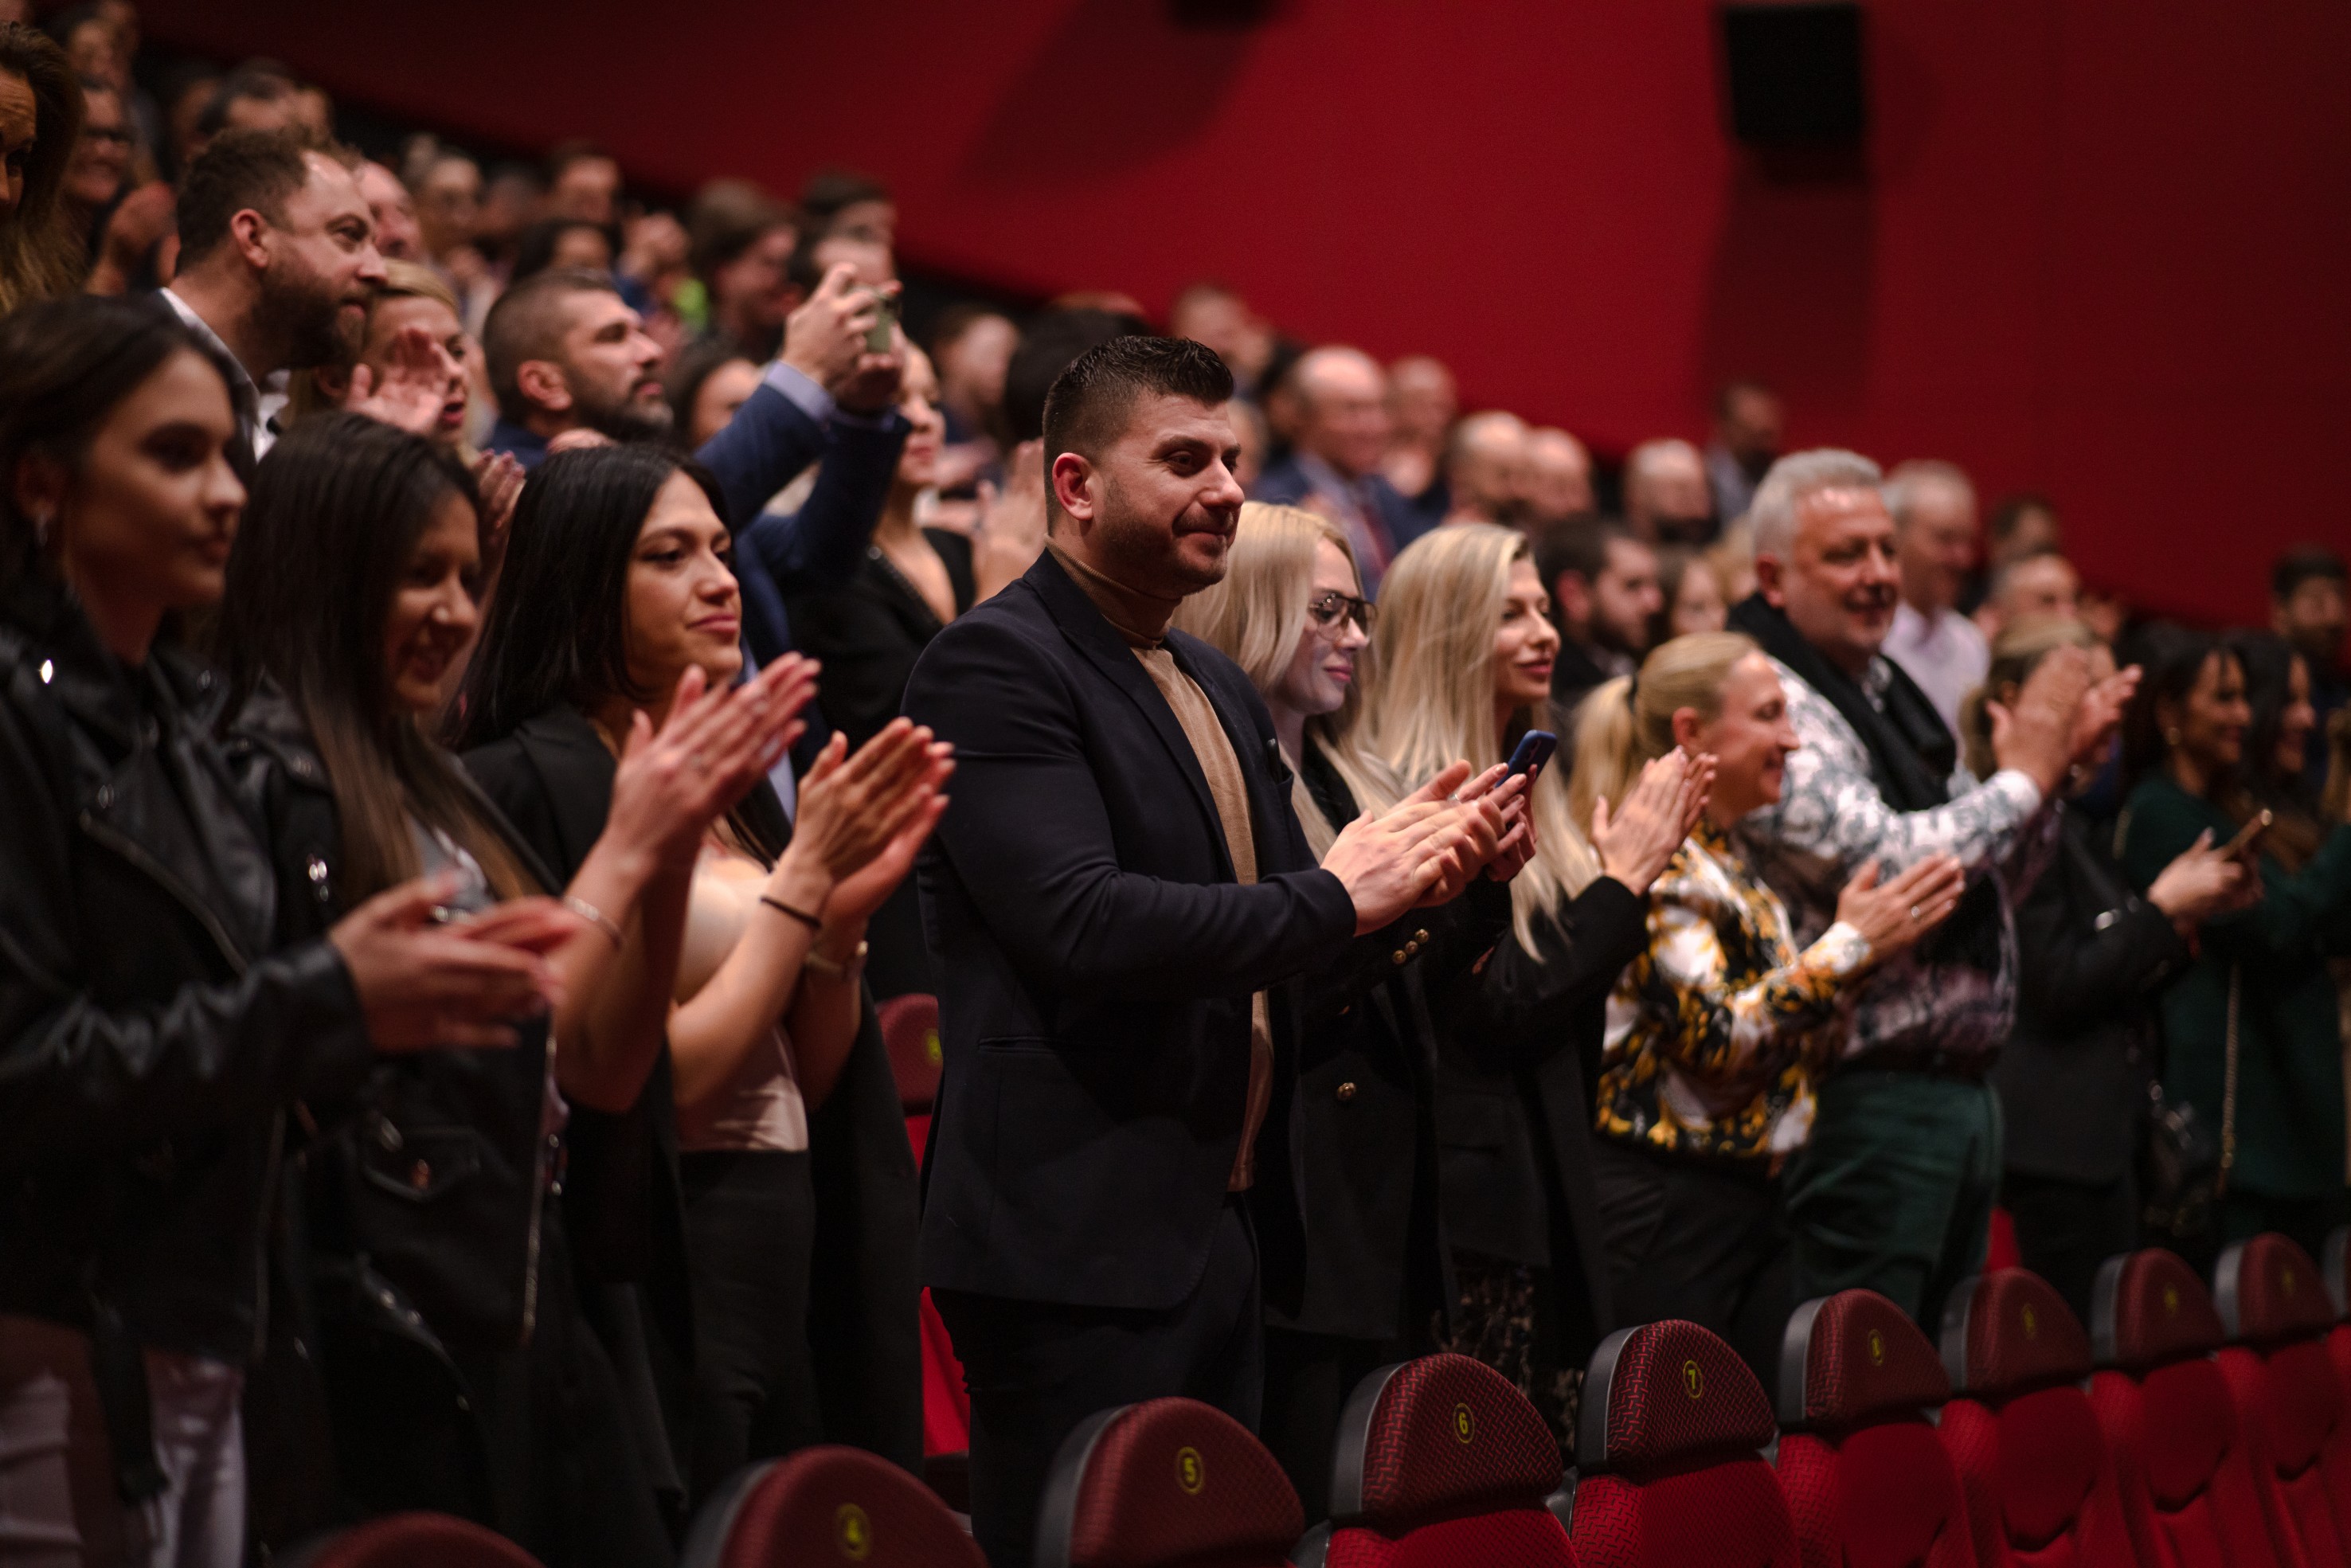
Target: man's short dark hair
(579, 150)
(237, 170)
(1049, 345)
(2305, 563)
(828, 191)
(2006, 517)
(727, 218)
(526, 323)
(1579, 545)
(264, 81)
(1090, 401)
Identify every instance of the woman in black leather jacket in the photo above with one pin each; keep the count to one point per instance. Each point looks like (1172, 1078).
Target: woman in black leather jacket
(1379, 1281)
(154, 1035)
(1465, 646)
(458, 1374)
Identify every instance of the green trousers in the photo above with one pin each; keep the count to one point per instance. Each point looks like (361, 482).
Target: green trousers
(1895, 1191)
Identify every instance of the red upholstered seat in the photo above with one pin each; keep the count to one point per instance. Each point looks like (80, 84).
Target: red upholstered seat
(2289, 1397)
(2190, 1491)
(1168, 1483)
(2035, 1468)
(412, 1541)
(1868, 1481)
(1666, 1451)
(1442, 1461)
(910, 1029)
(827, 1505)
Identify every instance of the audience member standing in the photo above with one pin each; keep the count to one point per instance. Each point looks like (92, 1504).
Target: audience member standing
(1290, 612)
(1747, 421)
(2258, 1008)
(2093, 956)
(1465, 646)
(1934, 511)
(277, 266)
(1334, 466)
(1715, 1032)
(1603, 583)
(1122, 899)
(1895, 1191)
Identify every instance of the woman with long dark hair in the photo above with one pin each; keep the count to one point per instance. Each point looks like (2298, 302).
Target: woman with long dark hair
(2252, 1036)
(40, 121)
(458, 1372)
(617, 593)
(156, 1039)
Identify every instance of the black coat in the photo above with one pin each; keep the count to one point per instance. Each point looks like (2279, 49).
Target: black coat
(153, 1033)
(1366, 1097)
(553, 777)
(2073, 1077)
(1516, 1080)
(1098, 960)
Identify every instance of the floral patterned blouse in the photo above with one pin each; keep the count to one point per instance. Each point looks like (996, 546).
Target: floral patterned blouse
(1714, 1030)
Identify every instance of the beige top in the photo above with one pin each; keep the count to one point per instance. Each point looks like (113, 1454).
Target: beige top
(760, 1107)
(1214, 749)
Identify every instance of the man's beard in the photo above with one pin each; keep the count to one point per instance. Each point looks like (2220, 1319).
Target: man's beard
(1142, 557)
(629, 419)
(301, 311)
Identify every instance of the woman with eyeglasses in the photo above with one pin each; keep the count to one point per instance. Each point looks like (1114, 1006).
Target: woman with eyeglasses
(1290, 612)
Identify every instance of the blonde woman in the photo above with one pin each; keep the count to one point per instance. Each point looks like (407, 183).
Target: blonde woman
(1464, 646)
(1290, 612)
(1704, 1082)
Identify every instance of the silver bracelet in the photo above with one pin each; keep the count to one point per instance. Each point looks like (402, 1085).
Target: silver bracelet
(596, 917)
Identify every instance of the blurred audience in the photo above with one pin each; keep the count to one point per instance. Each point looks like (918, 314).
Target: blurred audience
(40, 131)
(1934, 511)
(1602, 580)
(1691, 589)
(2310, 604)
(1422, 404)
(1748, 423)
(1665, 495)
(1485, 468)
(2037, 585)
(1212, 314)
(1334, 466)
(1556, 480)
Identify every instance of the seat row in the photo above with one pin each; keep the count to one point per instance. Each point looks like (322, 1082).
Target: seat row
(2185, 1428)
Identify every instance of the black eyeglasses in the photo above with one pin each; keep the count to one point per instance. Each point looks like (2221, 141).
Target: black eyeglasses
(1325, 609)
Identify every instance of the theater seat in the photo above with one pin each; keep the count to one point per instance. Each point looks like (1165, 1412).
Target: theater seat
(2190, 1488)
(910, 1032)
(2275, 1309)
(826, 1505)
(1440, 1461)
(2337, 1266)
(2033, 1466)
(1666, 1455)
(410, 1541)
(1868, 1481)
(910, 1029)
(1168, 1483)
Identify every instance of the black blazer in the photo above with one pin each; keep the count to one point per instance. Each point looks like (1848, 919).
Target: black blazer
(1098, 960)
(624, 1201)
(1515, 1081)
(1366, 1098)
(2092, 954)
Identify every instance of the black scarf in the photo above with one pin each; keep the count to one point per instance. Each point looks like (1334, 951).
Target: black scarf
(1911, 751)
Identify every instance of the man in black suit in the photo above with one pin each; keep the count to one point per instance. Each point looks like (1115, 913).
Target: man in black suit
(1120, 900)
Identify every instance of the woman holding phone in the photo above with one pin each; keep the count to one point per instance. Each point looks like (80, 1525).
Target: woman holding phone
(2258, 1007)
(1705, 1086)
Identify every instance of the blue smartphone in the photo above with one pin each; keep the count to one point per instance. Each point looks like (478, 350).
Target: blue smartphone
(1535, 748)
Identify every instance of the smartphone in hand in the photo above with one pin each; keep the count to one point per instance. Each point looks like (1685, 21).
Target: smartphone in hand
(1535, 749)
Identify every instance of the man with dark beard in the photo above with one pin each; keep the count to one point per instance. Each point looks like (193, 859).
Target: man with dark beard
(277, 266)
(1121, 902)
(565, 352)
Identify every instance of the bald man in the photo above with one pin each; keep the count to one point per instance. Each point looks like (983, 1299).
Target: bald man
(1422, 403)
(1334, 468)
(1667, 500)
(1485, 467)
(1556, 482)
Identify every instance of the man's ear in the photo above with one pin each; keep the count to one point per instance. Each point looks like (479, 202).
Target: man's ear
(543, 385)
(333, 382)
(248, 232)
(1074, 484)
(1771, 581)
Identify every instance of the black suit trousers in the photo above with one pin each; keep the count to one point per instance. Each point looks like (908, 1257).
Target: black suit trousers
(1036, 1369)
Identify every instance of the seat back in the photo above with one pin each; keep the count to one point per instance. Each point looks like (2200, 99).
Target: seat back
(411, 1540)
(1868, 1481)
(2191, 1490)
(2033, 1465)
(1668, 1457)
(1442, 1460)
(910, 1031)
(826, 1505)
(2277, 1313)
(1162, 1483)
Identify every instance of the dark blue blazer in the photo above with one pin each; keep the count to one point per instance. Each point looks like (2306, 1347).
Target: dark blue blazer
(1285, 484)
(1097, 960)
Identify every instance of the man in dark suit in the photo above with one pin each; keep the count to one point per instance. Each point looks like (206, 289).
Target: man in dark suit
(1343, 437)
(1120, 899)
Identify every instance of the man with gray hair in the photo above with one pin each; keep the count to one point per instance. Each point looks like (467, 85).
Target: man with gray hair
(1934, 510)
(1895, 1190)
(1335, 468)
(1665, 497)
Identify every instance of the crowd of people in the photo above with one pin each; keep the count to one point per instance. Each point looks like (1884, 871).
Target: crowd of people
(496, 680)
